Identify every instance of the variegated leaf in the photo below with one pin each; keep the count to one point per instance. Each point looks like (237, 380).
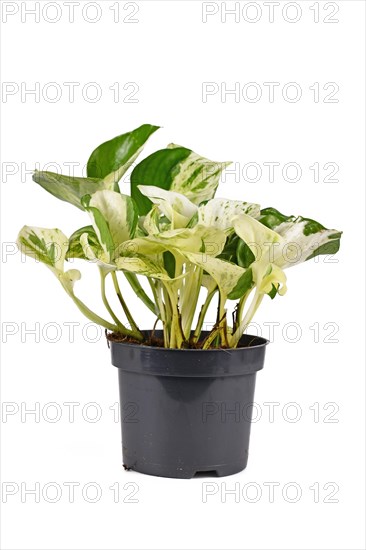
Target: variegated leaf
(267, 248)
(48, 246)
(70, 189)
(264, 243)
(75, 249)
(209, 241)
(113, 217)
(176, 169)
(303, 238)
(111, 159)
(69, 278)
(176, 207)
(141, 265)
(220, 212)
(224, 273)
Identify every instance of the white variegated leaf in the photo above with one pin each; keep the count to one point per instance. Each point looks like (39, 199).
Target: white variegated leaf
(303, 238)
(267, 247)
(292, 242)
(197, 177)
(300, 244)
(224, 273)
(175, 206)
(113, 217)
(69, 278)
(96, 254)
(142, 266)
(209, 283)
(220, 212)
(48, 246)
(69, 188)
(196, 239)
(269, 276)
(262, 241)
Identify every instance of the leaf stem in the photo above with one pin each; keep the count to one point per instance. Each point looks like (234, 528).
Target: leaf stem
(103, 275)
(190, 291)
(202, 315)
(89, 313)
(255, 303)
(123, 304)
(140, 292)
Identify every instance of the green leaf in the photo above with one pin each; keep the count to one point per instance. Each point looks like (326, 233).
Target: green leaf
(244, 284)
(237, 252)
(270, 217)
(176, 169)
(330, 247)
(169, 263)
(114, 157)
(273, 292)
(69, 189)
(229, 250)
(244, 255)
(157, 169)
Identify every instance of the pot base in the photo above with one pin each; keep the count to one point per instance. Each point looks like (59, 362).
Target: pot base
(162, 470)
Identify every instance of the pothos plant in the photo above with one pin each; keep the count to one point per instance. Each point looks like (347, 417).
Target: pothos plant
(175, 233)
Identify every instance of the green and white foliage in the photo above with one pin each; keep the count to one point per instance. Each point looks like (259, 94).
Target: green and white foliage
(221, 212)
(176, 169)
(175, 234)
(304, 238)
(174, 206)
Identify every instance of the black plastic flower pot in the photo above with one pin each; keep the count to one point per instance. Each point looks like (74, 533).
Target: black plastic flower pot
(187, 412)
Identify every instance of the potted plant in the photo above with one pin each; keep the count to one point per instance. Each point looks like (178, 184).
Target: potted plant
(180, 249)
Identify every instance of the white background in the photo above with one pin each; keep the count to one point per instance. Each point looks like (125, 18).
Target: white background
(169, 53)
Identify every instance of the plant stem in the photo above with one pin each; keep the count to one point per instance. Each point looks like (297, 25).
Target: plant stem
(123, 303)
(140, 292)
(190, 290)
(161, 307)
(211, 337)
(91, 315)
(176, 334)
(103, 275)
(241, 306)
(255, 303)
(168, 307)
(202, 315)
